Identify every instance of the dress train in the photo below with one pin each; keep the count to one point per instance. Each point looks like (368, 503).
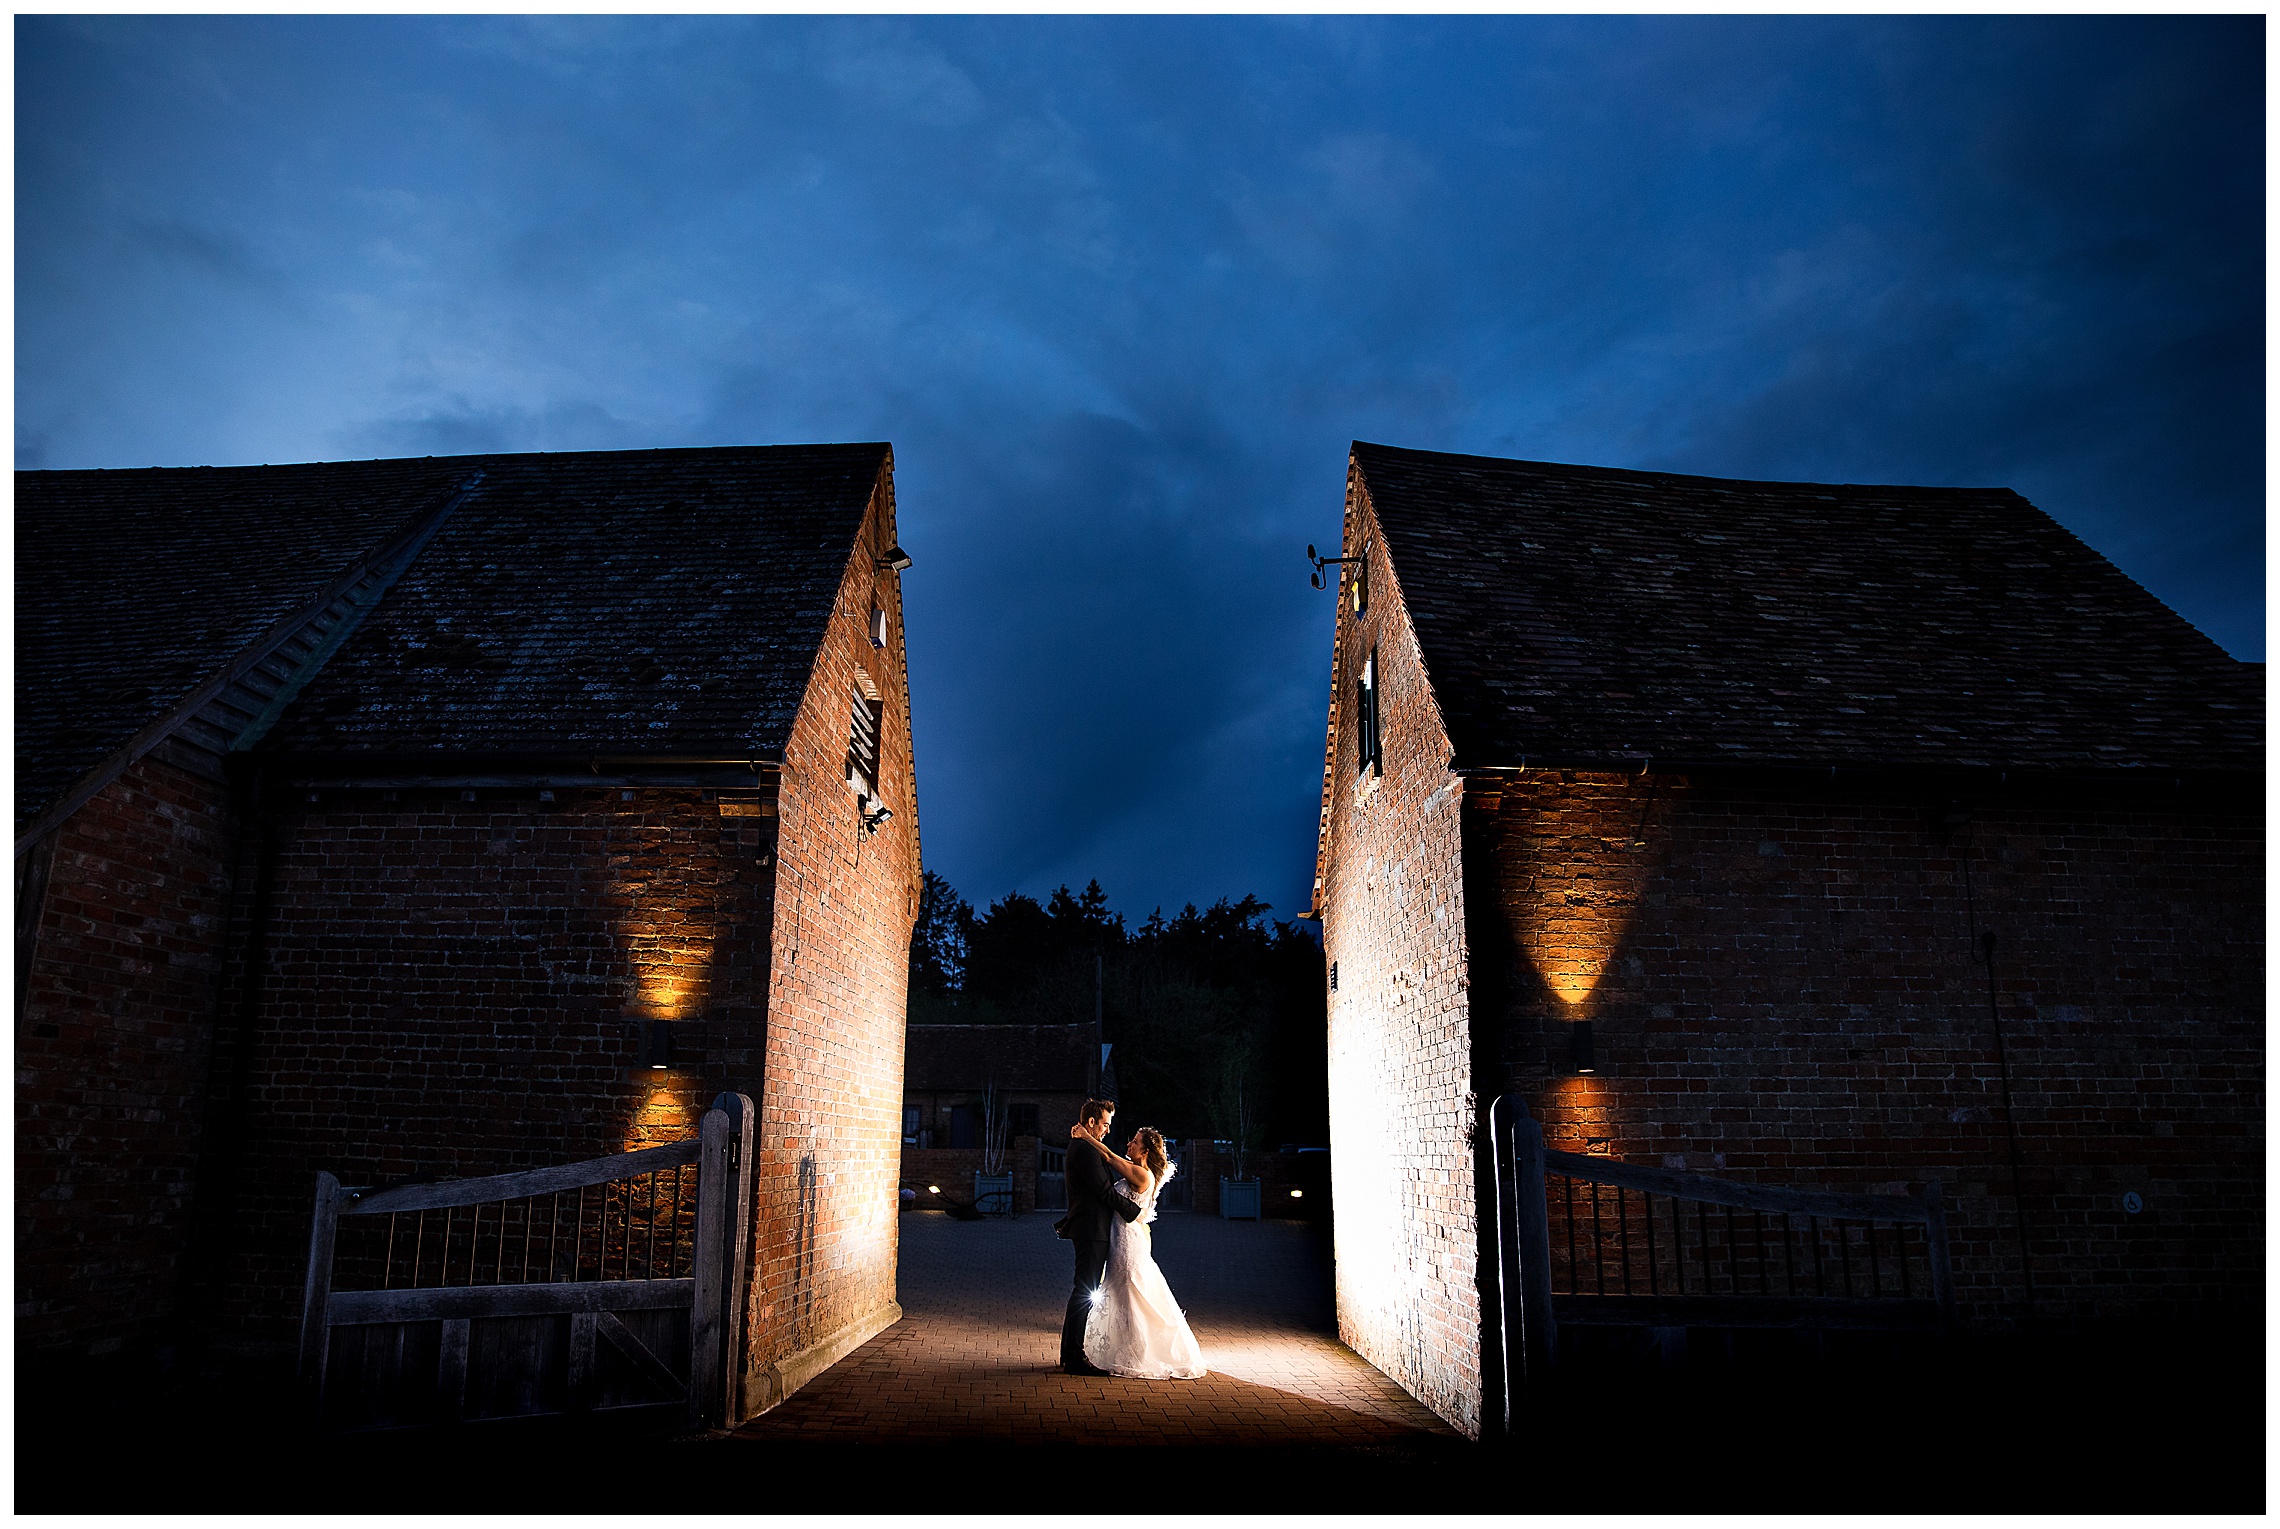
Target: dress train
(1137, 1329)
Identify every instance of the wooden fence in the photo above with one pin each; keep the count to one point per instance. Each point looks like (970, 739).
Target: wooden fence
(607, 1285)
(1587, 1241)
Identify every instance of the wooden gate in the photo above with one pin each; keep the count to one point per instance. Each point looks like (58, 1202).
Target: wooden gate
(1052, 1177)
(603, 1286)
(1586, 1241)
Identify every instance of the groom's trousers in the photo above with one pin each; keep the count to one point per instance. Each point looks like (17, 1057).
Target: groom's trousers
(1092, 1268)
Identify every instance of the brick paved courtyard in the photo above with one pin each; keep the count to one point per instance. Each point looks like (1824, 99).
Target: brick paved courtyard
(976, 1354)
(958, 1410)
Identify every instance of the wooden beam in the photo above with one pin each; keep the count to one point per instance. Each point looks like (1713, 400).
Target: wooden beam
(458, 1302)
(655, 1370)
(735, 1295)
(581, 1378)
(316, 1289)
(519, 1186)
(708, 1347)
(451, 1371)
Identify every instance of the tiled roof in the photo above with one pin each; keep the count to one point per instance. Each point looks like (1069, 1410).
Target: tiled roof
(1584, 614)
(133, 588)
(639, 602)
(636, 602)
(1036, 1058)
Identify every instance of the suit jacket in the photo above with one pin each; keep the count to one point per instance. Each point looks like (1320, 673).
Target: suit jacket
(1093, 1199)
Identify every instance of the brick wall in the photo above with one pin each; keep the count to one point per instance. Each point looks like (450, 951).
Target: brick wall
(1401, 1103)
(953, 1169)
(829, 1138)
(111, 1055)
(447, 982)
(453, 987)
(1056, 1110)
(1781, 988)
(1779, 976)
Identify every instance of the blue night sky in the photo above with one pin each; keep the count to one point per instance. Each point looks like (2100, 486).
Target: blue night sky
(1120, 292)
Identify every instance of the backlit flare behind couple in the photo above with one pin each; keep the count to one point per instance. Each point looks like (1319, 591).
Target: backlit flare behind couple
(1122, 1319)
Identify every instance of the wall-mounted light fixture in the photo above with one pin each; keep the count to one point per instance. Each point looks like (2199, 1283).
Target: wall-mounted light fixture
(1579, 1041)
(656, 1045)
(876, 818)
(896, 559)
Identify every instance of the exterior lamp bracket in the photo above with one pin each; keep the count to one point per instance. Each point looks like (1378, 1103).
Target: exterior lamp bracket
(895, 558)
(1321, 563)
(1581, 1055)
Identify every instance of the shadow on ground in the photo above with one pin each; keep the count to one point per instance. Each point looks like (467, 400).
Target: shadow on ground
(1976, 1437)
(958, 1410)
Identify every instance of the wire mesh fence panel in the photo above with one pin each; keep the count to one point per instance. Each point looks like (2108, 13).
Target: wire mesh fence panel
(1615, 1241)
(637, 1228)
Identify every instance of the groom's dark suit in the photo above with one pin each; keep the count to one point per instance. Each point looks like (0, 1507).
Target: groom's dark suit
(1093, 1201)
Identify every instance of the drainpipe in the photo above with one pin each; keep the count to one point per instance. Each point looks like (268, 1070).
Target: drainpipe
(206, 1270)
(1983, 952)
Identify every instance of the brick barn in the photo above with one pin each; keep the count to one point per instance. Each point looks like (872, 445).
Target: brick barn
(448, 817)
(1682, 808)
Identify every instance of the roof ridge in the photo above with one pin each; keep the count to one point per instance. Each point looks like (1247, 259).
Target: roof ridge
(1656, 475)
(1602, 614)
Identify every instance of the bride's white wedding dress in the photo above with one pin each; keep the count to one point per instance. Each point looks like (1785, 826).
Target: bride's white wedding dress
(1138, 1329)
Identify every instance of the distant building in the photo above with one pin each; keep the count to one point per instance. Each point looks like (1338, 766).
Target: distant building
(448, 817)
(1738, 775)
(1037, 1077)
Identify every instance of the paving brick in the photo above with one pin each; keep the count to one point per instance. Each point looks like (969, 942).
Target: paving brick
(976, 1355)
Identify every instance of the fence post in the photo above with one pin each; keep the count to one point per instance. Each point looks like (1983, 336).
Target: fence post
(735, 1298)
(715, 1211)
(1527, 1331)
(1511, 1335)
(1540, 1328)
(316, 1292)
(1936, 1250)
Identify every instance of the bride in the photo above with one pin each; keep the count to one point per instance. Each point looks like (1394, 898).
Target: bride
(1137, 1328)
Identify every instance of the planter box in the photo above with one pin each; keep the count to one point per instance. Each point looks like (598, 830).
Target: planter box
(993, 1193)
(1238, 1199)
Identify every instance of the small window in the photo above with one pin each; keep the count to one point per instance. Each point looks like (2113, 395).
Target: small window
(1361, 567)
(910, 1124)
(878, 626)
(1022, 1120)
(863, 742)
(1371, 758)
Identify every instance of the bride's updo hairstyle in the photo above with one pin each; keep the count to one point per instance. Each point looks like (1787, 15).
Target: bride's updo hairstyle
(1152, 1153)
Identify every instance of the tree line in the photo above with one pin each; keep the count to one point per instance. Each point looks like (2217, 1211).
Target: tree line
(1216, 1015)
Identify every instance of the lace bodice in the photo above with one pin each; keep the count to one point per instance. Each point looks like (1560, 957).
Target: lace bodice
(1146, 1202)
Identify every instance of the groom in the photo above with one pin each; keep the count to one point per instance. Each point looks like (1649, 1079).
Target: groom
(1092, 1200)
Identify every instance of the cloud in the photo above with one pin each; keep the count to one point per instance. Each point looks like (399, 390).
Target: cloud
(462, 429)
(208, 253)
(1121, 289)
(894, 75)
